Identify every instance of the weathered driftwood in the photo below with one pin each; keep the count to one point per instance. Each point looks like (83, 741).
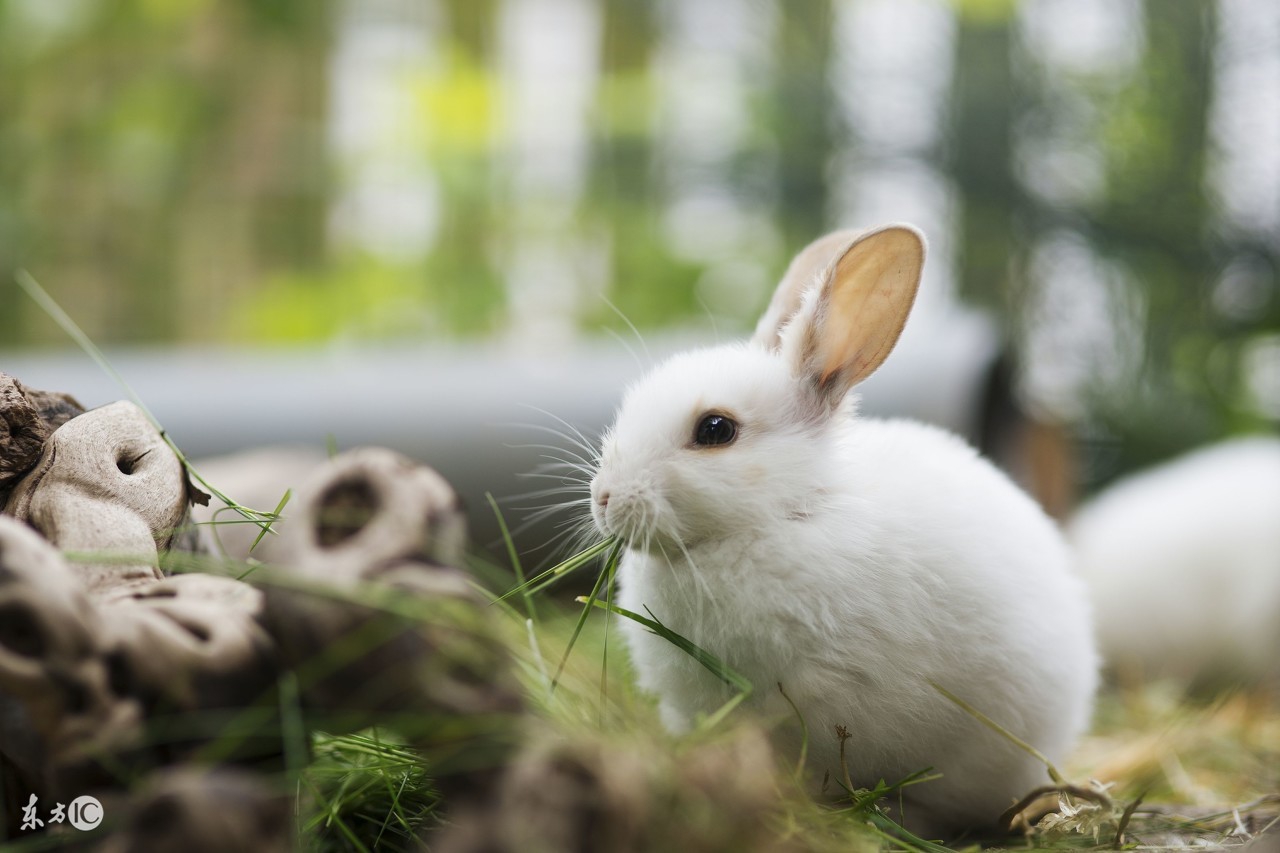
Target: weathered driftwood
(196, 810)
(27, 417)
(104, 659)
(91, 650)
(596, 794)
(83, 679)
(52, 662)
(371, 509)
(107, 486)
(191, 642)
(406, 635)
(257, 478)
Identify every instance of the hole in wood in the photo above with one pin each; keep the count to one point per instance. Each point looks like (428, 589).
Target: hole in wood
(75, 698)
(127, 462)
(119, 674)
(344, 509)
(200, 632)
(20, 631)
(157, 592)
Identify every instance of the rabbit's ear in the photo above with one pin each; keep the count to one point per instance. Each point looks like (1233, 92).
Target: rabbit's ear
(804, 273)
(846, 327)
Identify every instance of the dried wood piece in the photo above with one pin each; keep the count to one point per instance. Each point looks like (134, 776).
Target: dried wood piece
(256, 478)
(381, 623)
(106, 484)
(27, 417)
(22, 433)
(191, 642)
(369, 509)
(54, 407)
(197, 810)
(594, 794)
(80, 675)
(52, 661)
(375, 622)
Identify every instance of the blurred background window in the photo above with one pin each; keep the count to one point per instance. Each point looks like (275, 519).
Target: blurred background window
(1102, 177)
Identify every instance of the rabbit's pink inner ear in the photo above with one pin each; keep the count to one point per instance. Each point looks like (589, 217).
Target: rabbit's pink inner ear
(869, 295)
(805, 272)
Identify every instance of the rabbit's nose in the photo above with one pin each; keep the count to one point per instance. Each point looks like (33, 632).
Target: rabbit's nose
(603, 499)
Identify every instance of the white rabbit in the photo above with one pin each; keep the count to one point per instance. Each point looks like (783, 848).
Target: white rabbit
(855, 562)
(1183, 563)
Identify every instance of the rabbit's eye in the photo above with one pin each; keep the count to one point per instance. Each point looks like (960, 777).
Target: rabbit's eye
(714, 430)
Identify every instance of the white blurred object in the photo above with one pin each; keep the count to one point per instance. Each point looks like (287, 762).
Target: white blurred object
(1183, 563)
(474, 412)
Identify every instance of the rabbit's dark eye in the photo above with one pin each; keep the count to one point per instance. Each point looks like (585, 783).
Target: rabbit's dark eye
(715, 430)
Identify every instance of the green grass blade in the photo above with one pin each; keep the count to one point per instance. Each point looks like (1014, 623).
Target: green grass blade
(293, 731)
(514, 557)
(604, 651)
(558, 571)
(709, 723)
(50, 306)
(248, 571)
(333, 818)
(275, 516)
(717, 667)
(864, 799)
(1002, 731)
(894, 832)
(393, 792)
(605, 578)
(535, 650)
(804, 732)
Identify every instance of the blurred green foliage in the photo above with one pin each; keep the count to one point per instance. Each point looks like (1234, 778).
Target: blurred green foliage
(172, 172)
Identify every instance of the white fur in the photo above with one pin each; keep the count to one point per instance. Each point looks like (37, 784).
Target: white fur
(853, 561)
(1183, 563)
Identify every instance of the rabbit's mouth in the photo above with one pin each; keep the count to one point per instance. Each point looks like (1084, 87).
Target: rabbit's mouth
(634, 523)
(620, 525)
(634, 510)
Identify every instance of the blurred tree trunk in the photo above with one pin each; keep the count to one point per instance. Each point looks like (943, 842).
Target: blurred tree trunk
(12, 223)
(460, 276)
(257, 201)
(623, 192)
(803, 120)
(622, 160)
(984, 98)
(1154, 220)
(1155, 214)
(471, 23)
